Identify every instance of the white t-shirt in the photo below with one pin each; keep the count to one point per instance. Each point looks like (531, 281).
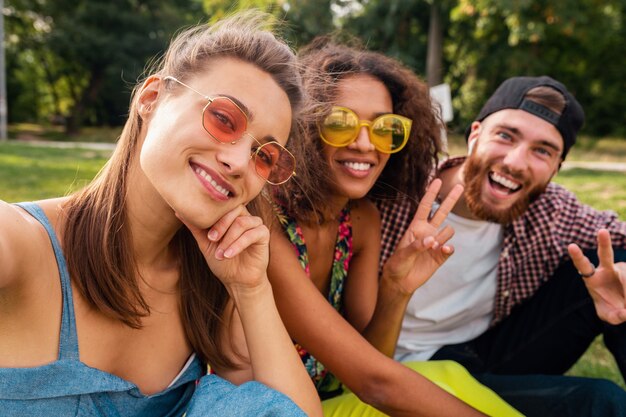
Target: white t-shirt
(456, 304)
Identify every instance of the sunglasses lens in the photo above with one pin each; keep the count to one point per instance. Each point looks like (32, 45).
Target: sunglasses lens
(340, 127)
(389, 133)
(224, 120)
(274, 163)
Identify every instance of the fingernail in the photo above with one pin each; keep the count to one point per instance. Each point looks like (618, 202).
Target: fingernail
(228, 253)
(212, 235)
(219, 253)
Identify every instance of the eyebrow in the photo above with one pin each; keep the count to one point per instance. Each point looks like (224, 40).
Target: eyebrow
(249, 114)
(242, 106)
(245, 109)
(266, 139)
(517, 132)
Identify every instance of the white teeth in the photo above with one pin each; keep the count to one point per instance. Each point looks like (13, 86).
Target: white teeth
(210, 179)
(504, 182)
(358, 166)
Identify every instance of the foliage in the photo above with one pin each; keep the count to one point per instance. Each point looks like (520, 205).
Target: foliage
(301, 20)
(579, 42)
(396, 27)
(217, 9)
(309, 18)
(74, 65)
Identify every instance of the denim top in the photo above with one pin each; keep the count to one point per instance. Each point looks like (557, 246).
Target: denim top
(68, 387)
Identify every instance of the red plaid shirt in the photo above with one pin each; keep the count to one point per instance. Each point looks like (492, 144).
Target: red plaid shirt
(534, 245)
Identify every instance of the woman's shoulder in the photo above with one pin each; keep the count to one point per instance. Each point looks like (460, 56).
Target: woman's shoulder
(365, 220)
(23, 239)
(16, 223)
(17, 213)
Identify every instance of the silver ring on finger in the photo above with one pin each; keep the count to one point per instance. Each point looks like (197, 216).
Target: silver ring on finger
(590, 274)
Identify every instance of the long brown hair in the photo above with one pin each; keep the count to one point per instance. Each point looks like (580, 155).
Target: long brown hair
(97, 239)
(324, 63)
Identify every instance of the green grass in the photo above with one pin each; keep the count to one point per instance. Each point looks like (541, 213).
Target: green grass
(605, 191)
(597, 362)
(32, 172)
(29, 131)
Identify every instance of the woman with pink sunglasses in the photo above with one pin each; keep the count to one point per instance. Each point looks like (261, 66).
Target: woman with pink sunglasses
(115, 299)
(377, 138)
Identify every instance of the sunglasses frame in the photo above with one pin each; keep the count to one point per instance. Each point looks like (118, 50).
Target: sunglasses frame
(406, 123)
(261, 145)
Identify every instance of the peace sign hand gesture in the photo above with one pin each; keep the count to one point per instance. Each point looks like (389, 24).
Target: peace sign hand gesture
(606, 283)
(422, 249)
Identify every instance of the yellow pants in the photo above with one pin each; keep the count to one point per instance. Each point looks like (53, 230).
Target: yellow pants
(448, 375)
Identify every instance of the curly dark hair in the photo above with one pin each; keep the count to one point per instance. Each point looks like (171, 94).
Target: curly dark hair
(324, 63)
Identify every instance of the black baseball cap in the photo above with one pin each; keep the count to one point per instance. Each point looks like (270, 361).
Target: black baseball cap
(510, 95)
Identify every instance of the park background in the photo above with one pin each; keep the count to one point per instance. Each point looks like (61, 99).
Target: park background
(71, 66)
(74, 62)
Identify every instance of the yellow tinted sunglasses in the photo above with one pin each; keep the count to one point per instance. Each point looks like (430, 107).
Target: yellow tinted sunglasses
(388, 133)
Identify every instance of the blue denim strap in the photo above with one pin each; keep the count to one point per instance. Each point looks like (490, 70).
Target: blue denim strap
(68, 340)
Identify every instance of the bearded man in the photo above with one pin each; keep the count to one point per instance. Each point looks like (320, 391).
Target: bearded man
(536, 275)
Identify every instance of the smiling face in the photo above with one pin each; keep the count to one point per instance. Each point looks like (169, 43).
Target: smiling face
(513, 157)
(357, 166)
(197, 176)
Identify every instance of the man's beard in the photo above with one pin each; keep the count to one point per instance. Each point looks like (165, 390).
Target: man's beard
(475, 172)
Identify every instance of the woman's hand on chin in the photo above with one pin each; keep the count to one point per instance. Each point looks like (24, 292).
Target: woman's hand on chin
(236, 249)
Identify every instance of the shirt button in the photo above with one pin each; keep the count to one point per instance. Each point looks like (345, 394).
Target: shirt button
(505, 293)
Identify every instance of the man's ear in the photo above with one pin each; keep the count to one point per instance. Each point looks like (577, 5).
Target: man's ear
(558, 168)
(472, 138)
(148, 95)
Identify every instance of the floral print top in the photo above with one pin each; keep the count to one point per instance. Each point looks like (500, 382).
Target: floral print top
(326, 383)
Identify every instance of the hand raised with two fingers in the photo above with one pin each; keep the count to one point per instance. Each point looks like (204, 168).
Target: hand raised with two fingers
(423, 249)
(606, 283)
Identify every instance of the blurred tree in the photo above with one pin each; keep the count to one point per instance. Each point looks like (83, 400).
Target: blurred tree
(307, 19)
(217, 9)
(70, 64)
(398, 28)
(579, 42)
(434, 51)
(300, 20)
(26, 79)
(85, 53)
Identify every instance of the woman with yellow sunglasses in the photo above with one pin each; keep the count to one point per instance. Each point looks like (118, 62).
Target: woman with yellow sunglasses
(377, 138)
